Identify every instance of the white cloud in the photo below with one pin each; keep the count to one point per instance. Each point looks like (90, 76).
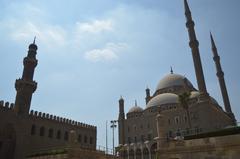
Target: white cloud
(108, 53)
(96, 26)
(47, 34)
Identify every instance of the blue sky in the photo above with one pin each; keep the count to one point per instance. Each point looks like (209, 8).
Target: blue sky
(91, 52)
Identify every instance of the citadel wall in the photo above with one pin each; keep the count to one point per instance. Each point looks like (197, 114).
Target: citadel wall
(41, 131)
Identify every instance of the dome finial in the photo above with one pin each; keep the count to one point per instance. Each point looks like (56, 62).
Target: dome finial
(135, 103)
(171, 70)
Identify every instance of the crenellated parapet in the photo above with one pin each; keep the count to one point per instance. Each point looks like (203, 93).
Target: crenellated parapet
(6, 106)
(54, 118)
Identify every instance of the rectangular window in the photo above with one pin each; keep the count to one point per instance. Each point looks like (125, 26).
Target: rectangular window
(142, 138)
(66, 136)
(185, 118)
(148, 126)
(170, 134)
(79, 138)
(129, 140)
(85, 139)
(91, 140)
(177, 120)
(149, 137)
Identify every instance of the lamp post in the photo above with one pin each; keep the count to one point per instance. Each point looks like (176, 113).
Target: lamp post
(113, 126)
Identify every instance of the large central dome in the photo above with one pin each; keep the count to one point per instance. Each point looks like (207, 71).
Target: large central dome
(173, 79)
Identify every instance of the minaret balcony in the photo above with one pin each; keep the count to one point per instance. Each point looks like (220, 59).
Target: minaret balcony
(30, 62)
(23, 85)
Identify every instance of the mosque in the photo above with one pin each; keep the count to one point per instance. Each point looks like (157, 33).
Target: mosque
(187, 110)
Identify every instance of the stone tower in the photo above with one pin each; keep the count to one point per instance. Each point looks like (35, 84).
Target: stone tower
(220, 75)
(121, 119)
(25, 86)
(195, 51)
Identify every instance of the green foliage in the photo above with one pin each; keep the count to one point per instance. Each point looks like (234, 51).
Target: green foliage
(184, 99)
(51, 152)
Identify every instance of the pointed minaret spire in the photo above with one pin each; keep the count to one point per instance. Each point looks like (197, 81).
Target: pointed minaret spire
(171, 70)
(195, 51)
(221, 79)
(187, 9)
(34, 39)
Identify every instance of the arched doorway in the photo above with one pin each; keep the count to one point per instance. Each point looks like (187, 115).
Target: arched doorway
(131, 154)
(7, 142)
(145, 153)
(138, 154)
(153, 151)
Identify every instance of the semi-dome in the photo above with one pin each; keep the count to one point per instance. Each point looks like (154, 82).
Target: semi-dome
(135, 109)
(165, 98)
(196, 94)
(173, 79)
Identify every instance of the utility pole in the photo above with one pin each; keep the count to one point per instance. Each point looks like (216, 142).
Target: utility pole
(106, 139)
(113, 126)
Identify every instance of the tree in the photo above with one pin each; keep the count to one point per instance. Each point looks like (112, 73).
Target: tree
(184, 101)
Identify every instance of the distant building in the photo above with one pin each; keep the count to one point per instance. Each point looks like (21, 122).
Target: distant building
(23, 133)
(186, 110)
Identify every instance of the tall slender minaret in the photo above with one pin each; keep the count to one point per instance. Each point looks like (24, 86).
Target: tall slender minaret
(148, 96)
(220, 75)
(121, 120)
(25, 86)
(195, 51)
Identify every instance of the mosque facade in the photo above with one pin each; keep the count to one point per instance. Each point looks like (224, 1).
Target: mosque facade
(187, 110)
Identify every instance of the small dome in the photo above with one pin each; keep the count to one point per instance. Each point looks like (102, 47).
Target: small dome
(135, 109)
(165, 98)
(173, 80)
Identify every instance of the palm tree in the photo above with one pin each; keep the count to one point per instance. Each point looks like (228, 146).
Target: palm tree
(183, 100)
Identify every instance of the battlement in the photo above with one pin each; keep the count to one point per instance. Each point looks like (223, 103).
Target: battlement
(46, 116)
(6, 106)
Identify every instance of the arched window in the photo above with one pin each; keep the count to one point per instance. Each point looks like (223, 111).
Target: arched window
(50, 133)
(131, 154)
(42, 131)
(33, 130)
(79, 138)
(145, 153)
(85, 139)
(153, 151)
(58, 134)
(138, 154)
(66, 135)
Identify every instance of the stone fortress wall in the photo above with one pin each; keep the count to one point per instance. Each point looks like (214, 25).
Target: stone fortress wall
(42, 131)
